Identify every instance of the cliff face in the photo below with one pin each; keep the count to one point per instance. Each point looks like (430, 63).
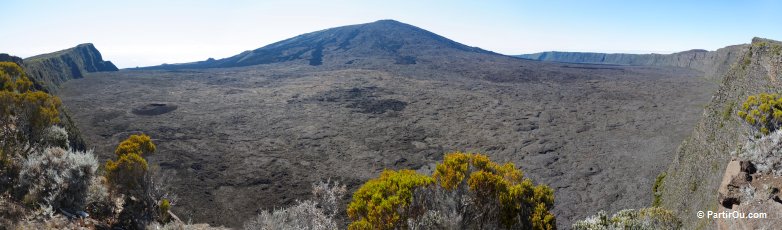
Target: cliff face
(695, 174)
(48, 71)
(51, 70)
(713, 63)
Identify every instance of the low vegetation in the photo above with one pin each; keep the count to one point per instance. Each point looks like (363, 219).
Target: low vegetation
(763, 112)
(467, 191)
(316, 214)
(44, 182)
(384, 202)
(641, 219)
(765, 153)
(500, 195)
(657, 189)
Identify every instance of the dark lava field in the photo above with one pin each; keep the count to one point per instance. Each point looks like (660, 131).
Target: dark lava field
(233, 141)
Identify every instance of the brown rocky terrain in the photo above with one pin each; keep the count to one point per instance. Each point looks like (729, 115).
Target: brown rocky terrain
(744, 193)
(345, 106)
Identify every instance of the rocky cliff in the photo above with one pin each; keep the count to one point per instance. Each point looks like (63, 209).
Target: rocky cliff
(713, 63)
(48, 71)
(695, 174)
(52, 69)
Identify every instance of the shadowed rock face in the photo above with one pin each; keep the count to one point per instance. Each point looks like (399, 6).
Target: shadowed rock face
(713, 63)
(9, 58)
(51, 70)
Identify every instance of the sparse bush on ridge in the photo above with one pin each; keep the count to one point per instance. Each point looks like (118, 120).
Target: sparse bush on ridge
(657, 189)
(641, 219)
(763, 112)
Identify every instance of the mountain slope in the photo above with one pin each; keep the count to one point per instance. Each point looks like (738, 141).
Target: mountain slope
(52, 69)
(386, 41)
(386, 95)
(713, 63)
(695, 174)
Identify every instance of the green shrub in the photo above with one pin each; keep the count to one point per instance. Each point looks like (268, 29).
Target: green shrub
(466, 191)
(728, 110)
(24, 113)
(164, 206)
(760, 44)
(657, 189)
(126, 173)
(381, 202)
(26, 133)
(500, 185)
(776, 49)
(130, 176)
(763, 112)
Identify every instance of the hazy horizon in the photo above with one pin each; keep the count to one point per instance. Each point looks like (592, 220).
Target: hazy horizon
(145, 33)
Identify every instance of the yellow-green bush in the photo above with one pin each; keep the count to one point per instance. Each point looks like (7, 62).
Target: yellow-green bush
(127, 172)
(489, 195)
(130, 176)
(380, 202)
(165, 205)
(505, 184)
(657, 189)
(763, 112)
(24, 112)
(136, 144)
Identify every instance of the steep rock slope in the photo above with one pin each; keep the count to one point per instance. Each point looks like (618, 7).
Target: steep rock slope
(385, 41)
(713, 63)
(52, 69)
(696, 171)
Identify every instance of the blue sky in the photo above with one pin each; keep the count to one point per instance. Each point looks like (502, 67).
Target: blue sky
(142, 32)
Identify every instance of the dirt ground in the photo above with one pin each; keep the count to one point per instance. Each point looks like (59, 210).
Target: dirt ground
(236, 141)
